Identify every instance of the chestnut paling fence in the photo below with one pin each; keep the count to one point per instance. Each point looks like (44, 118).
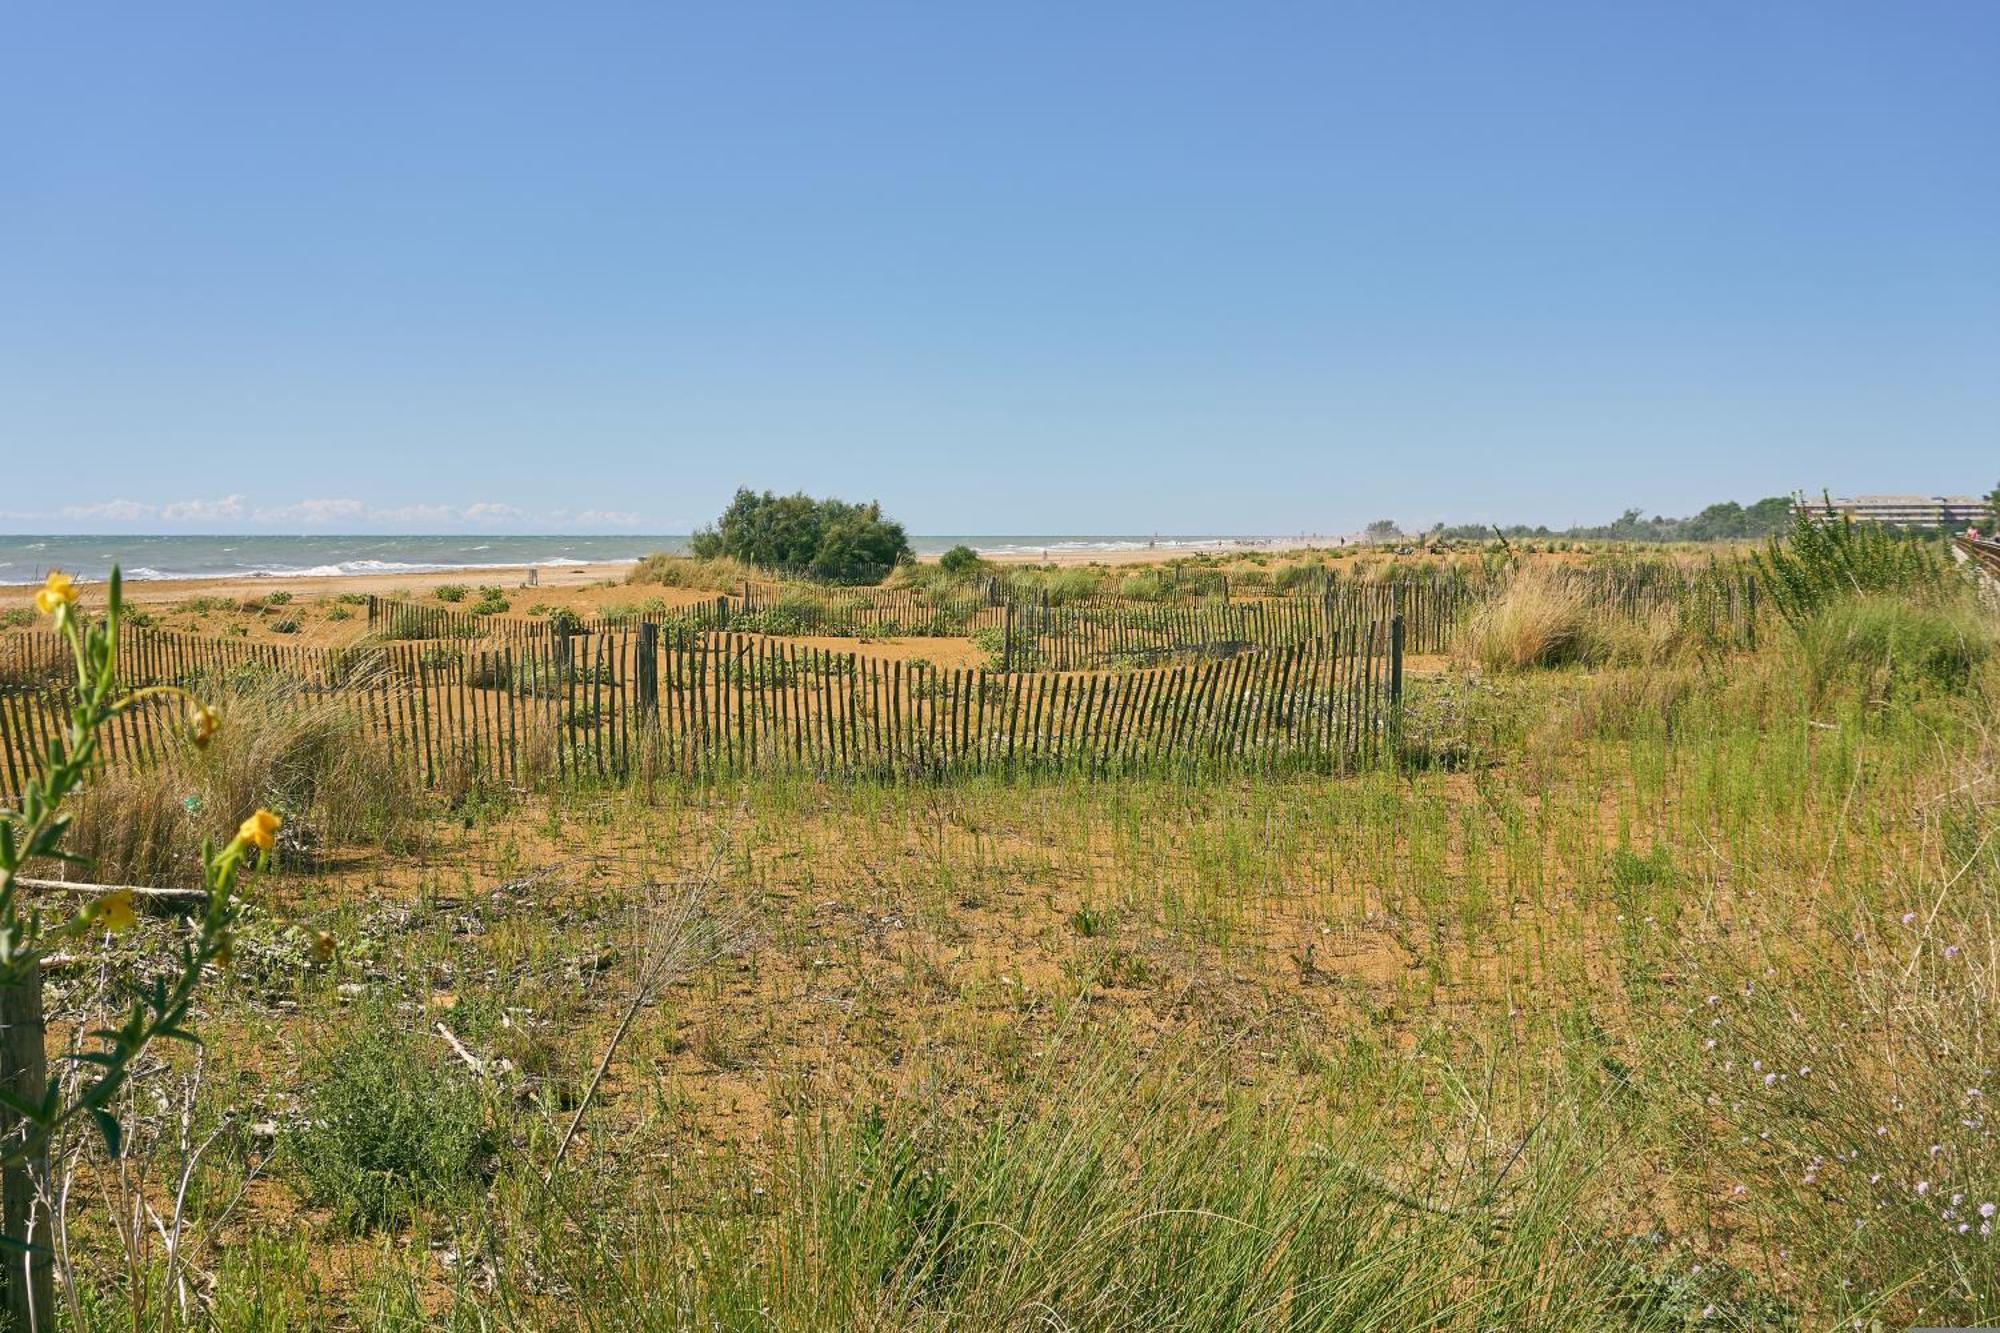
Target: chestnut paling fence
(643, 700)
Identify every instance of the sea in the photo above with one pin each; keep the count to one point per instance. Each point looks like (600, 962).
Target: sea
(27, 558)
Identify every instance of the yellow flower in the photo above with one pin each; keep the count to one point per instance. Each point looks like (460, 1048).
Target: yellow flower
(115, 910)
(323, 946)
(203, 720)
(59, 589)
(225, 950)
(259, 830)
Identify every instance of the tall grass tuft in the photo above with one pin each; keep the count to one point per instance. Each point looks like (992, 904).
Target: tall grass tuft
(1540, 620)
(307, 759)
(710, 574)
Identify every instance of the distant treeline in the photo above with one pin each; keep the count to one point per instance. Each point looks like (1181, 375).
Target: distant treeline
(1718, 522)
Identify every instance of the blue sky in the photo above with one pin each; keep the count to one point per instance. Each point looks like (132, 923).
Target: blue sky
(1022, 268)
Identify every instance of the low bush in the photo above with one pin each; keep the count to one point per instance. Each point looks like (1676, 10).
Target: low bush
(451, 592)
(1825, 557)
(389, 1129)
(1889, 647)
(960, 561)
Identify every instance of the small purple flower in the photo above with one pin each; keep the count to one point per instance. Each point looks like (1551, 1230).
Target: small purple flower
(1909, 918)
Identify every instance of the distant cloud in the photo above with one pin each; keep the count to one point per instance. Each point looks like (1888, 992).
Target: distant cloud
(117, 511)
(487, 511)
(314, 511)
(336, 512)
(203, 511)
(433, 514)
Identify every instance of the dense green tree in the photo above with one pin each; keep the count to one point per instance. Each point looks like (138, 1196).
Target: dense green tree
(833, 540)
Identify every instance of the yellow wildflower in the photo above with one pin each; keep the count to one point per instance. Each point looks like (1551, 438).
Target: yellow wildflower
(259, 830)
(59, 589)
(323, 946)
(114, 910)
(203, 721)
(225, 950)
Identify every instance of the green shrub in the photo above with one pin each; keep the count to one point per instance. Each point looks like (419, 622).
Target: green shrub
(831, 540)
(960, 560)
(1147, 585)
(451, 592)
(340, 613)
(389, 1129)
(1072, 585)
(1889, 647)
(1827, 557)
(288, 625)
(1296, 575)
(279, 598)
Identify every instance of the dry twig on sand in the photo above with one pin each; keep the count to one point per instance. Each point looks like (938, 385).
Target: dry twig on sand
(676, 942)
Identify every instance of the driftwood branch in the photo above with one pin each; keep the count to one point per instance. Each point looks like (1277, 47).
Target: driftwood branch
(94, 890)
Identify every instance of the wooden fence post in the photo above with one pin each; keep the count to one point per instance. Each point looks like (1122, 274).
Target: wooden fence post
(649, 666)
(1396, 678)
(27, 1278)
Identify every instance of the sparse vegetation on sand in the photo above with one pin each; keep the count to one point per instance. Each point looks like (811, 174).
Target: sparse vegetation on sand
(1645, 982)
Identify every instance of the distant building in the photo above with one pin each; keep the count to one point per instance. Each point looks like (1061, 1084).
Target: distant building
(1908, 511)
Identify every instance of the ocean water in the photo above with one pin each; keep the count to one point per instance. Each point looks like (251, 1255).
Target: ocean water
(25, 559)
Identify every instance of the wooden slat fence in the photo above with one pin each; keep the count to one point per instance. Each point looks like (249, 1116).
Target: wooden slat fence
(640, 700)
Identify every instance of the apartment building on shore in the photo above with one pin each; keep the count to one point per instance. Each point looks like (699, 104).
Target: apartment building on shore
(1909, 511)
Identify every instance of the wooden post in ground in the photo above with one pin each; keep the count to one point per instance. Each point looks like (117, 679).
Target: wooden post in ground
(27, 1278)
(1396, 678)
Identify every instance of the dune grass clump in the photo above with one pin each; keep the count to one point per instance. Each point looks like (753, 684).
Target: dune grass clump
(705, 574)
(1541, 620)
(308, 760)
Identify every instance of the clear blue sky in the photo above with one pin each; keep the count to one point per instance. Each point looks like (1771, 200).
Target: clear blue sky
(1009, 268)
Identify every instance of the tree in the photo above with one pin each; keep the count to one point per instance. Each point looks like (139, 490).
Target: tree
(1382, 530)
(1993, 511)
(1769, 515)
(830, 539)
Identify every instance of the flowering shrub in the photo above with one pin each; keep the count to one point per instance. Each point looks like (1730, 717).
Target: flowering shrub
(1846, 1114)
(35, 831)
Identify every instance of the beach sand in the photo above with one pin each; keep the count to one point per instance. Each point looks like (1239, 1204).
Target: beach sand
(319, 610)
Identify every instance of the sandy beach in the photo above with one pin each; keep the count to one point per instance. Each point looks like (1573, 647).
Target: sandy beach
(561, 584)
